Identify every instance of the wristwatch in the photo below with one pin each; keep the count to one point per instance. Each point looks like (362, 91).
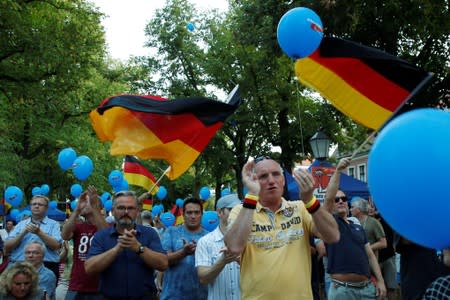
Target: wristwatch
(141, 250)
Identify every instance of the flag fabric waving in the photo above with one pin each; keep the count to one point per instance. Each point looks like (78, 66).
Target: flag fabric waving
(151, 127)
(364, 83)
(136, 174)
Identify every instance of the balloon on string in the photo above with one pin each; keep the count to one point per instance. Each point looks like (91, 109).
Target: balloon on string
(204, 193)
(225, 191)
(156, 210)
(108, 205)
(115, 178)
(105, 197)
(14, 212)
(210, 220)
(45, 189)
(179, 202)
(401, 187)
(76, 190)
(167, 218)
(66, 157)
(73, 204)
(299, 32)
(123, 186)
(36, 191)
(82, 167)
(53, 204)
(13, 195)
(162, 193)
(190, 26)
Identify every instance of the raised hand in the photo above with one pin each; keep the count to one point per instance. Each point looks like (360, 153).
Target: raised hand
(249, 178)
(306, 182)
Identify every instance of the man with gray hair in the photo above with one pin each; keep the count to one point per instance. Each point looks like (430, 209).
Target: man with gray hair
(216, 266)
(34, 254)
(372, 227)
(126, 254)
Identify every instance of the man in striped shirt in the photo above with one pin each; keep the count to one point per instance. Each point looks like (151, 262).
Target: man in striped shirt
(215, 265)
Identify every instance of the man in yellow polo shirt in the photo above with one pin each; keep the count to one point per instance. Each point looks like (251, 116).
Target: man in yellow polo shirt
(272, 234)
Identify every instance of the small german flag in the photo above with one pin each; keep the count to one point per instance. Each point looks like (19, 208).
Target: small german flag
(147, 204)
(136, 174)
(178, 213)
(364, 83)
(151, 127)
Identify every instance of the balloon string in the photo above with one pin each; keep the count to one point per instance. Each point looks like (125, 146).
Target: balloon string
(363, 144)
(159, 179)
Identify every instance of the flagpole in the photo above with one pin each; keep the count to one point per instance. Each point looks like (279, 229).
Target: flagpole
(412, 94)
(159, 179)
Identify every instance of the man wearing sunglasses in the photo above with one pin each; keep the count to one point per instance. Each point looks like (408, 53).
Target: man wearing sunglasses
(272, 234)
(351, 259)
(126, 254)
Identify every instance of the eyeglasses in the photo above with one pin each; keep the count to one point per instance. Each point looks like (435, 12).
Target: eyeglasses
(126, 208)
(343, 198)
(38, 204)
(261, 158)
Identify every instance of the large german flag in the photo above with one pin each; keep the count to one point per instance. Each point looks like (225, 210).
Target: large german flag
(151, 127)
(136, 174)
(364, 83)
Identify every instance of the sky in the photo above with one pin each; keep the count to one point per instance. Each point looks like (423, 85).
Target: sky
(126, 19)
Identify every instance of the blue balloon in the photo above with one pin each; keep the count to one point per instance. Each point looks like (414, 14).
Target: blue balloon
(108, 205)
(45, 189)
(402, 188)
(73, 204)
(179, 202)
(190, 26)
(53, 204)
(115, 178)
(66, 157)
(168, 219)
(105, 197)
(162, 193)
(26, 212)
(14, 212)
(299, 32)
(156, 210)
(82, 167)
(123, 186)
(13, 195)
(36, 191)
(204, 193)
(225, 191)
(76, 190)
(210, 220)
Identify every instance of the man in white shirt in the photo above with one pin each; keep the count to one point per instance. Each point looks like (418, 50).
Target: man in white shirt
(215, 265)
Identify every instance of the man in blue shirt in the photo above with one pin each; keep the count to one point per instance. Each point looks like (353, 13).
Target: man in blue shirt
(181, 279)
(126, 254)
(38, 227)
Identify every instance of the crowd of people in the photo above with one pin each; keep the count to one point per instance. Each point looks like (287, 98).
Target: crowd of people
(265, 247)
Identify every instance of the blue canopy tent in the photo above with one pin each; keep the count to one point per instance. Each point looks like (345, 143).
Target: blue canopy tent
(352, 187)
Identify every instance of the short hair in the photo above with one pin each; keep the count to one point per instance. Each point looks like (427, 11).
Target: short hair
(20, 267)
(362, 204)
(37, 242)
(194, 201)
(125, 194)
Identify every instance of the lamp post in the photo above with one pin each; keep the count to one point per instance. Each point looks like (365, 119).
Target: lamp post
(320, 144)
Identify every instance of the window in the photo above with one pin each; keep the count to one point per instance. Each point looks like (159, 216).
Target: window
(351, 171)
(362, 172)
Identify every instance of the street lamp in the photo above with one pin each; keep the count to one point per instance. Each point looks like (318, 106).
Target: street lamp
(320, 144)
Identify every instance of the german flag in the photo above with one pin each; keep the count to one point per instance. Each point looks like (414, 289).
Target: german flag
(136, 174)
(178, 213)
(147, 204)
(364, 83)
(151, 127)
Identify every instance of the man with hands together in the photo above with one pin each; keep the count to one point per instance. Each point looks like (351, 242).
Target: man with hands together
(272, 234)
(126, 254)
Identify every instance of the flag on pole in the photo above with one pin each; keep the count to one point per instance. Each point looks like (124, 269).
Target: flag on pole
(147, 204)
(151, 127)
(364, 83)
(136, 174)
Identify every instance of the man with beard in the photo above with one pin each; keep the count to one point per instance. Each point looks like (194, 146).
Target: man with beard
(181, 280)
(126, 254)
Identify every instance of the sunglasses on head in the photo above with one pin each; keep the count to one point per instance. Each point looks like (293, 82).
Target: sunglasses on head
(261, 158)
(343, 198)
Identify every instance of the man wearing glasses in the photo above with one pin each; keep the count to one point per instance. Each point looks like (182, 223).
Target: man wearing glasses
(126, 254)
(38, 227)
(351, 259)
(272, 235)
